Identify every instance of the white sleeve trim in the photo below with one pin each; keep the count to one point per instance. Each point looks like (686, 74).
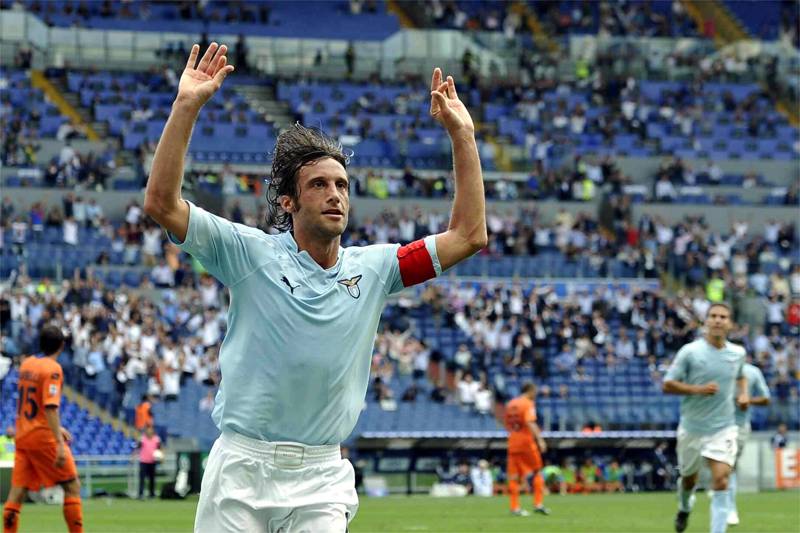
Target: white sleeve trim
(430, 244)
(173, 239)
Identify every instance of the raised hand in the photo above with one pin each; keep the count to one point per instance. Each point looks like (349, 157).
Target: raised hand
(200, 81)
(446, 108)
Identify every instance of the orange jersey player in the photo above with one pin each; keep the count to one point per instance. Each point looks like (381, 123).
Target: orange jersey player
(525, 446)
(42, 457)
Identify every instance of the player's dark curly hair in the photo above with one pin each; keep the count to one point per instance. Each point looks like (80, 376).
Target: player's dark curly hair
(296, 147)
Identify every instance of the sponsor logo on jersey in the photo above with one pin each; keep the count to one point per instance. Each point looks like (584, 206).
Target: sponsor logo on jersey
(285, 280)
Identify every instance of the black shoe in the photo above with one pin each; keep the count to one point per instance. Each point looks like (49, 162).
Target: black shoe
(681, 521)
(541, 510)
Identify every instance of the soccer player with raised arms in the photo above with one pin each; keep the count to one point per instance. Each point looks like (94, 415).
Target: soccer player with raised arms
(304, 310)
(709, 372)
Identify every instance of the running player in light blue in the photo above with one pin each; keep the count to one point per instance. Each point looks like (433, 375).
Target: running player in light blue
(709, 373)
(304, 311)
(758, 393)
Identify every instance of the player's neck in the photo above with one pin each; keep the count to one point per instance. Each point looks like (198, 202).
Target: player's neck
(716, 342)
(325, 252)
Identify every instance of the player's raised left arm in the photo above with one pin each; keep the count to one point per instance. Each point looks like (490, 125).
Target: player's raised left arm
(466, 232)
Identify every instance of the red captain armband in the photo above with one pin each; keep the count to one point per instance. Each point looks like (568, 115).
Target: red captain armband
(416, 264)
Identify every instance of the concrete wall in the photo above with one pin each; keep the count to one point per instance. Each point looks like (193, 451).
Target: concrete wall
(50, 148)
(643, 169)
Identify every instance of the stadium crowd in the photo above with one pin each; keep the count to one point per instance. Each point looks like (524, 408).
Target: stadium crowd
(166, 336)
(514, 330)
(745, 257)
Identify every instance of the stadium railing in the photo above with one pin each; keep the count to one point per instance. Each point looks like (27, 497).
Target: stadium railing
(405, 51)
(117, 475)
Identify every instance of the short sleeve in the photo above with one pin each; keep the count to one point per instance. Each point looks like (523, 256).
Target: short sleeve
(762, 390)
(679, 369)
(740, 372)
(51, 386)
(221, 246)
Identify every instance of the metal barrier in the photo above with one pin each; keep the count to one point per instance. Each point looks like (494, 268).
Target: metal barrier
(116, 474)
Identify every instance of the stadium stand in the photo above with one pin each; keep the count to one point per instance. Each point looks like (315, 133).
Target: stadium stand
(334, 20)
(767, 20)
(26, 116)
(660, 18)
(388, 126)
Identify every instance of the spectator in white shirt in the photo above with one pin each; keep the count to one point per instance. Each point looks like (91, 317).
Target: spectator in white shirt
(133, 213)
(771, 231)
(624, 347)
(714, 172)
(794, 280)
(151, 245)
(66, 155)
(775, 310)
(467, 389)
(70, 229)
(211, 332)
(483, 400)
(162, 275)
(171, 380)
(209, 292)
(206, 404)
(79, 211)
(94, 213)
(482, 482)
(463, 357)
(665, 190)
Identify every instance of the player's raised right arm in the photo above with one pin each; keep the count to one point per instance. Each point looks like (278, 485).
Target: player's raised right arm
(198, 84)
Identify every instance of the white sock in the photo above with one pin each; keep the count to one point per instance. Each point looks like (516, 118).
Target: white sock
(719, 511)
(732, 491)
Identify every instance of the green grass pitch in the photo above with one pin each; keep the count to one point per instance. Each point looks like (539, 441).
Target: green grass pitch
(765, 512)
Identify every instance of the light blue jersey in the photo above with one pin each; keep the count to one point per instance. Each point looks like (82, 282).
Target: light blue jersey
(757, 388)
(295, 360)
(698, 363)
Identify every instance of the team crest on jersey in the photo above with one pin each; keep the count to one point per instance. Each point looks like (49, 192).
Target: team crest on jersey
(352, 285)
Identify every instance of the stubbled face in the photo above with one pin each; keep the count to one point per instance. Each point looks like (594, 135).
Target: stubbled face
(718, 321)
(323, 202)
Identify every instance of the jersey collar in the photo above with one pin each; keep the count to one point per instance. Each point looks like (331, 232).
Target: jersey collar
(287, 239)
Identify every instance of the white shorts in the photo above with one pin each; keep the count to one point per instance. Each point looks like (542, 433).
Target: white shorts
(257, 486)
(692, 448)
